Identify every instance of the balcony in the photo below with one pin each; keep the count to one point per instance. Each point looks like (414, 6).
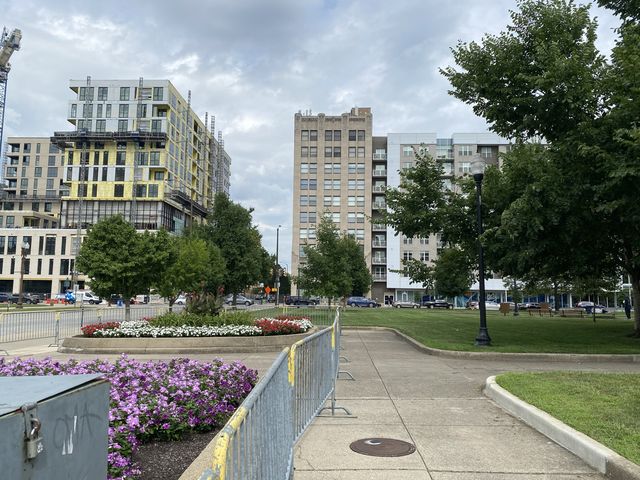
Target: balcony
(380, 156)
(379, 172)
(379, 260)
(379, 277)
(379, 243)
(379, 205)
(378, 227)
(379, 188)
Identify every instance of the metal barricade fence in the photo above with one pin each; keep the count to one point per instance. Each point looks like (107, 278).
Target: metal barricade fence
(58, 324)
(258, 440)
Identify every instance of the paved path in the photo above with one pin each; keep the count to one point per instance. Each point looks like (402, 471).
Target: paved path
(437, 404)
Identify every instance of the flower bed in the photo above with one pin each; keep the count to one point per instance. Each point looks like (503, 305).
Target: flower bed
(153, 400)
(142, 328)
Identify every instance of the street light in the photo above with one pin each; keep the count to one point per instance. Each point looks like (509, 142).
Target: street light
(277, 265)
(477, 169)
(24, 250)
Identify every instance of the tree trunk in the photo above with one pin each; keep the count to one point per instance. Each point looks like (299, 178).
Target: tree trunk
(556, 302)
(127, 310)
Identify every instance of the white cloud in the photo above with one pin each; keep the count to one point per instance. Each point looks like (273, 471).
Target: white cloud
(253, 64)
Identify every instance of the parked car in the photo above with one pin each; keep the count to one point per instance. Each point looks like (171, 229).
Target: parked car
(472, 304)
(27, 298)
(437, 304)
(181, 300)
(488, 305)
(362, 302)
(589, 306)
(240, 300)
(4, 297)
(406, 304)
(300, 300)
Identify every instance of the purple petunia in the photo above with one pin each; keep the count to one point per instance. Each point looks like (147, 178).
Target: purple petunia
(153, 400)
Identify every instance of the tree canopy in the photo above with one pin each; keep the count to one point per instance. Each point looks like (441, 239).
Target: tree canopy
(543, 78)
(120, 260)
(335, 266)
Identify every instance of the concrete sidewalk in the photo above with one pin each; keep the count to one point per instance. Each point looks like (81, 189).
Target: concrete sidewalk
(436, 404)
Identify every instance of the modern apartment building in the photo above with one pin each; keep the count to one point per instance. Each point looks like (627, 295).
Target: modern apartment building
(32, 172)
(136, 148)
(351, 188)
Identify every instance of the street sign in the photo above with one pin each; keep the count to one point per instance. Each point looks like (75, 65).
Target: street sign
(267, 290)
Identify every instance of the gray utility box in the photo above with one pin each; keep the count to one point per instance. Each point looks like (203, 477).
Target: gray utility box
(54, 427)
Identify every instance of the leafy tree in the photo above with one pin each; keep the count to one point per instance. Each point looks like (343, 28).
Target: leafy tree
(544, 77)
(335, 266)
(120, 260)
(229, 228)
(453, 272)
(197, 266)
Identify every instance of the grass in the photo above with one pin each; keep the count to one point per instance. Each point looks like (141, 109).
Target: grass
(603, 406)
(457, 329)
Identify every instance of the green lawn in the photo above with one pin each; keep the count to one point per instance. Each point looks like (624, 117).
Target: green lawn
(603, 406)
(457, 329)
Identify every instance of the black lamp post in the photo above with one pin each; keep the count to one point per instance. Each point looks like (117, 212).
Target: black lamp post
(477, 169)
(24, 250)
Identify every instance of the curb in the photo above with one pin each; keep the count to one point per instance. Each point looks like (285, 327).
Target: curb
(528, 357)
(595, 454)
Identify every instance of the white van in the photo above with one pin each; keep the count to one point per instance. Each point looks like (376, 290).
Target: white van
(87, 297)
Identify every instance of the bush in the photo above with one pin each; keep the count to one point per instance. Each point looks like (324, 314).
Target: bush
(171, 319)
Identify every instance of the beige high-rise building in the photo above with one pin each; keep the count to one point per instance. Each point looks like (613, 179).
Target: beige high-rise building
(332, 177)
(351, 186)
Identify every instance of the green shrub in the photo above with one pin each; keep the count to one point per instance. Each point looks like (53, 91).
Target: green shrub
(172, 319)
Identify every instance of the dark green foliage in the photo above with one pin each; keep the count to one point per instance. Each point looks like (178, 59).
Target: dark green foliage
(171, 319)
(335, 266)
(118, 260)
(453, 273)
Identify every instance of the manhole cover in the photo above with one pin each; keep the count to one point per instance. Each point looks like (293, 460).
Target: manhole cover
(382, 447)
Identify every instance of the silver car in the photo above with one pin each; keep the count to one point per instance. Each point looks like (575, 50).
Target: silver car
(406, 304)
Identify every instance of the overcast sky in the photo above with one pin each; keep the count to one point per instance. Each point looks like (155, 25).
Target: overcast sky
(253, 64)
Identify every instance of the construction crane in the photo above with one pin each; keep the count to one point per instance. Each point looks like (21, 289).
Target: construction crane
(9, 43)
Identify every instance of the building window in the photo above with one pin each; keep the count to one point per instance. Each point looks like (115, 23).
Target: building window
(360, 152)
(141, 191)
(74, 110)
(337, 135)
(119, 177)
(313, 152)
(465, 150)
(158, 93)
(123, 125)
(121, 158)
(107, 112)
(424, 241)
(351, 217)
(361, 135)
(87, 110)
(52, 172)
(328, 150)
(50, 246)
(407, 240)
(406, 256)
(352, 135)
(102, 93)
(153, 191)
(352, 152)
(123, 110)
(407, 151)
(337, 152)
(304, 200)
(486, 152)
(304, 152)
(304, 135)
(125, 93)
(328, 135)
(118, 190)
(424, 256)
(101, 126)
